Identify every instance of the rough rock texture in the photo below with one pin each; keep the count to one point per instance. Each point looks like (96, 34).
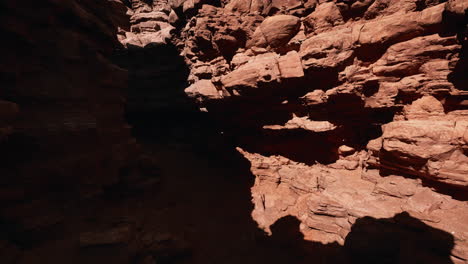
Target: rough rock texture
(275, 31)
(64, 139)
(351, 115)
(427, 143)
(358, 111)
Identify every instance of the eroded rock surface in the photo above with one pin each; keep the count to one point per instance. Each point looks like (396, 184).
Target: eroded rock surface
(379, 81)
(353, 116)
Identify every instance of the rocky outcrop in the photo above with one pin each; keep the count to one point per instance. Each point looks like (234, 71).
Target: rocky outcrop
(275, 31)
(375, 85)
(325, 16)
(329, 199)
(352, 116)
(373, 78)
(427, 143)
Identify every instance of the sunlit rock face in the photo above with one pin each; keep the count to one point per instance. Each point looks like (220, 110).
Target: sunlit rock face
(358, 107)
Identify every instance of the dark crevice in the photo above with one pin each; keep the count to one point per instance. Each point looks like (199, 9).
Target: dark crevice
(455, 192)
(370, 88)
(242, 119)
(406, 98)
(298, 145)
(155, 99)
(458, 75)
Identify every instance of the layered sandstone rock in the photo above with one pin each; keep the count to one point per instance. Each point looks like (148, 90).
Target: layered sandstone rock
(427, 143)
(350, 113)
(380, 81)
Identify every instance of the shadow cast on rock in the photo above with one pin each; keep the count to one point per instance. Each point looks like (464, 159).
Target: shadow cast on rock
(397, 240)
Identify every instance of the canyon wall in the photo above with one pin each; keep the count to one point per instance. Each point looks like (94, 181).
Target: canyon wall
(352, 115)
(345, 109)
(64, 139)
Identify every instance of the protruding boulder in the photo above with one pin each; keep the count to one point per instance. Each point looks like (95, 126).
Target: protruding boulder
(344, 150)
(204, 90)
(264, 68)
(409, 57)
(316, 97)
(275, 31)
(329, 49)
(457, 7)
(305, 124)
(429, 149)
(290, 65)
(398, 27)
(325, 16)
(424, 108)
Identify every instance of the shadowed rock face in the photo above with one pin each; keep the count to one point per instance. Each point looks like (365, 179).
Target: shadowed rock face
(234, 131)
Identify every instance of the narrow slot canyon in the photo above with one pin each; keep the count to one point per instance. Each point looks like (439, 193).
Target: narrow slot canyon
(234, 131)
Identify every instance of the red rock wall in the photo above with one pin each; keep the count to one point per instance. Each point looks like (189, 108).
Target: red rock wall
(345, 109)
(352, 114)
(64, 138)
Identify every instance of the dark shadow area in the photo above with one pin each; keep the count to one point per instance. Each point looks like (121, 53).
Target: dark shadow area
(155, 101)
(458, 75)
(295, 144)
(456, 24)
(201, 205)
(448, 189)
(55, 71)
(355, 123)
(17, 150)
(458, 102)
(270, 103)
(400, 239)
(193, 10)
(243, 119)
(397, 240)
(292, 248)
